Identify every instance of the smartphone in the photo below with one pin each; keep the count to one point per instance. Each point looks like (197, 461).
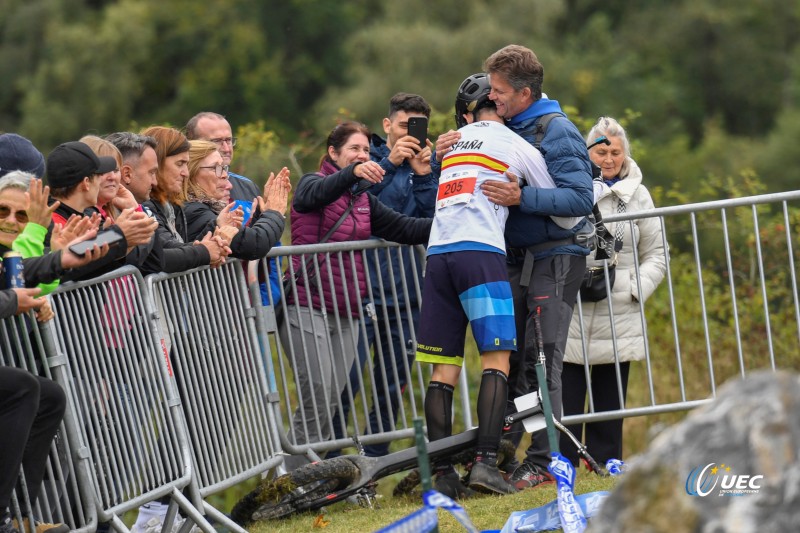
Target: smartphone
(107, 237)
(418, 128)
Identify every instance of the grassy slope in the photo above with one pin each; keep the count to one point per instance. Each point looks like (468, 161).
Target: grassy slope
(486, 512)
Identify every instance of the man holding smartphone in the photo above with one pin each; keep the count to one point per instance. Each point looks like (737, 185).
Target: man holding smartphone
(409, 188)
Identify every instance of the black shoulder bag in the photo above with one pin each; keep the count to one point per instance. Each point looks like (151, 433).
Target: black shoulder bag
(593, 288)
(287, 282)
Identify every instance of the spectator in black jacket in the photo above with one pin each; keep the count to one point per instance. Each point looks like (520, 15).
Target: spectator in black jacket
(139, 174)
(73, 172)
(166, 204)
(207, 196)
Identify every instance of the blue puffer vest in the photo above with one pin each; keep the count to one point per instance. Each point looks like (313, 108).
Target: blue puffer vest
(309, 228)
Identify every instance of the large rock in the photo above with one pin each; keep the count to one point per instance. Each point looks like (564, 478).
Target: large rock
(681, 483)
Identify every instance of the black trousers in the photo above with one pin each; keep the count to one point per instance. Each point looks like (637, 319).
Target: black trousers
(31, 409)
(553, 287)
(602, 439)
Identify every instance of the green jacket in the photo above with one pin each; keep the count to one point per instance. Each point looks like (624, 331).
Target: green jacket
(30, 243)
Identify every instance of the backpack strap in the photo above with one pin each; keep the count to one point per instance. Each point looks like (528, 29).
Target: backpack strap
(541, 128)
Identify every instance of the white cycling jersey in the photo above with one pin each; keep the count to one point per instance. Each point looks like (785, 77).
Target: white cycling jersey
(465, 219)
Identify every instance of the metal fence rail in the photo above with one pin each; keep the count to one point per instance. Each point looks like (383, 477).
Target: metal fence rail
(206, 324)
(364, 380)
(729, 303)
(65, 495)
(126, 418)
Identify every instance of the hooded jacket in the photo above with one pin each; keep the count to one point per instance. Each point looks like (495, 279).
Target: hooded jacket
(568, 163)
(411, 195)
(170, 254)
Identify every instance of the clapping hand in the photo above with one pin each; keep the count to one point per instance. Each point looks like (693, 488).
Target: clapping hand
(230, 217)
(76, 226)
(276, 192)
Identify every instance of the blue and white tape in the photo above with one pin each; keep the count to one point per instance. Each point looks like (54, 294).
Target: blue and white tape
(572, 519)
(427, 518)
(546, 517)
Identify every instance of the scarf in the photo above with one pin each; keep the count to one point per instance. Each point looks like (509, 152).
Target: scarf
(196, 194)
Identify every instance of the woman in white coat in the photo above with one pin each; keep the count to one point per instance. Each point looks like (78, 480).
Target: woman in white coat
(601, 345)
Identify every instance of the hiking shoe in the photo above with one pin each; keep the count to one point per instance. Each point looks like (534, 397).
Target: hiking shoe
(529, 475)
(488, 479)
(450, 485)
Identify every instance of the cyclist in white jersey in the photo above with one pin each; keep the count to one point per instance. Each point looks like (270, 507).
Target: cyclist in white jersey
(466, 279)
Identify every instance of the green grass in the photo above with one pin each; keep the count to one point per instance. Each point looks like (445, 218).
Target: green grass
(486, 512)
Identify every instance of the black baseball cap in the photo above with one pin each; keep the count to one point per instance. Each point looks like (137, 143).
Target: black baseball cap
(70, 162)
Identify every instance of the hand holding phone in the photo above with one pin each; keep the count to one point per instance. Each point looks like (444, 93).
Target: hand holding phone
(418, 128)
(106, 237)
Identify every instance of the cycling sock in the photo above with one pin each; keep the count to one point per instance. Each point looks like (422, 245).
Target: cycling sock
(439, 418)
(492, 399)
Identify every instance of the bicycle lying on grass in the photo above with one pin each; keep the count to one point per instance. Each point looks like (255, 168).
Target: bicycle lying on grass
(328, 481)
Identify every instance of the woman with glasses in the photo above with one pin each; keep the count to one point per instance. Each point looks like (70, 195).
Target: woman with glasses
(208, 204)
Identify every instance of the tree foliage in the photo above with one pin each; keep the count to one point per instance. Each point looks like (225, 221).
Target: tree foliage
(714, 86)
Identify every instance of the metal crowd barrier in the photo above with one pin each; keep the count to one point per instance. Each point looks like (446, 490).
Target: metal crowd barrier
(348, 312)
(740, 313)
(708, 240)
(66, 495)
(206, 325)
(185, 384)
(124, 418)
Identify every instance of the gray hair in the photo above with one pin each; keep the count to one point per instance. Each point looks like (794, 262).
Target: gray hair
(16, 179)
(131, 145)
(609, 127)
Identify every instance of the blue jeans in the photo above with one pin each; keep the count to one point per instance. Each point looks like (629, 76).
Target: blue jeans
(396, 352)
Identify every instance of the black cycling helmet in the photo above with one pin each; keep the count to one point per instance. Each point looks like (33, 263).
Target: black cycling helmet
(473, 94)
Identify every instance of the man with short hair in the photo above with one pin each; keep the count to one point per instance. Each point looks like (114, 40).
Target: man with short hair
(72, 173)
(210, 126)
(545, 260)
(139, 171)
(139, 175)
(409, 188)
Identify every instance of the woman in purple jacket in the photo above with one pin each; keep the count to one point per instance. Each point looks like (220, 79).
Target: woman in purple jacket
(319, 332)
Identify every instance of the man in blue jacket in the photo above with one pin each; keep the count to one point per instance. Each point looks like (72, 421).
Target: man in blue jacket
(545, 261)
(409, 188)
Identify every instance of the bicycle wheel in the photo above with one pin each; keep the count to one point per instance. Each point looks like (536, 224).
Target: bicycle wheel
(305, 488)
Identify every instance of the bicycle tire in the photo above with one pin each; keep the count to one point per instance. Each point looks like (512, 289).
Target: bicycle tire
(243, 510)
(307, 487)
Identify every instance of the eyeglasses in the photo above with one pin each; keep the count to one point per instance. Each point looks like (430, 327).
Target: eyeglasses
(21, 216)
(226, 140)
(219, 169)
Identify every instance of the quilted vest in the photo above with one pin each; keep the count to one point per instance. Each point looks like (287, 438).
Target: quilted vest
(309, 228)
